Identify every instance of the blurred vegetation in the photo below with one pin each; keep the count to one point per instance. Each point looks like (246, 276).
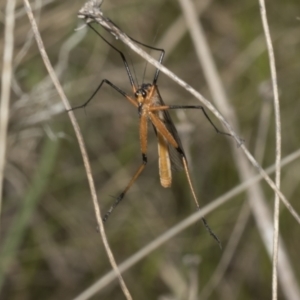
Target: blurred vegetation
(50, 248)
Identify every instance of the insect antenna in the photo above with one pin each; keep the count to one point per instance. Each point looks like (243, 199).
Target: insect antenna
(134, 73)
(144, 73)
(161, 57)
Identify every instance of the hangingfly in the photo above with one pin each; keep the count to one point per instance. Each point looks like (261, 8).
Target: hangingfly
(152, 109)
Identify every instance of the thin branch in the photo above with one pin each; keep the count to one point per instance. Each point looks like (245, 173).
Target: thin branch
(175, 230)
(203, 53)
(93, 14)
(81, 145)
(176, 31)
(278, 146)
(263, 122)
(6, 84)
(219, 96)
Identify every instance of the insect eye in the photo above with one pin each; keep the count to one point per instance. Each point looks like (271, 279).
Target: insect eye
(144, 94)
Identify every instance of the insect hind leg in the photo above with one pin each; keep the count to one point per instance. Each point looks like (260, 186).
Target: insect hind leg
(166, 134)
(131, 182)
(184, 161)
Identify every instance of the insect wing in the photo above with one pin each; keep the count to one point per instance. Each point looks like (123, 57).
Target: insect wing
(164, 116)
(164, 161)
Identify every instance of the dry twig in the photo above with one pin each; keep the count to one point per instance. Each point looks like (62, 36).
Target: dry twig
(278, 146)
(81, 145)
(5, 86)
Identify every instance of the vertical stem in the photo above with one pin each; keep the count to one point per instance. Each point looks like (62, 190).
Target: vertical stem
(278, 147)
(5, 86)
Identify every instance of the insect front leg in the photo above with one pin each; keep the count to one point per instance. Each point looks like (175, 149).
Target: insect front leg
(132, 101)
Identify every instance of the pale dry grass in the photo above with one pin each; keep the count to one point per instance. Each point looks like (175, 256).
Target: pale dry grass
(55, 251)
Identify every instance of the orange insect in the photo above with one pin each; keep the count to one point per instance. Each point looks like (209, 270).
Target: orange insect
(151, 108)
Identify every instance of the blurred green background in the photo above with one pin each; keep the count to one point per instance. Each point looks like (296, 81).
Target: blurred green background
(50, 248)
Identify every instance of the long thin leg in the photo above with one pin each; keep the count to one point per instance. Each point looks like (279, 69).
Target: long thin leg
(184, 161)
(125, 61)
(143, 142)
(160, 126)
(98, 88)
(122, 195)
(122, 56)
(167, 107)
